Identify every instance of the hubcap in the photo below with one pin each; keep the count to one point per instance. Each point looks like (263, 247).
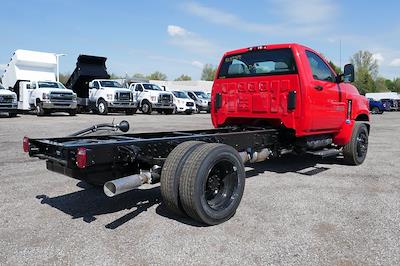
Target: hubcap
(101, 107)
(221, 184)
(145, 108)
(362, 144)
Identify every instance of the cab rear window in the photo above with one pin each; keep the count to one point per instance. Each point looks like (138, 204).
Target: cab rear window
(258, 63)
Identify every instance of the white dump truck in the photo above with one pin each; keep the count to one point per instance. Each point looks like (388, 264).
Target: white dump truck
(95, 91)
(8, 102)
(32, 76)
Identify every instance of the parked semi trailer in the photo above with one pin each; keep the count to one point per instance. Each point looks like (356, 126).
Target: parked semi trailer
(90, 81)
(266, 101)
(32, 76)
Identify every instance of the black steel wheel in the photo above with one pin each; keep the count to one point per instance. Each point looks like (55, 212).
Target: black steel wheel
(356, 150)
(171, 174)
(212, 183)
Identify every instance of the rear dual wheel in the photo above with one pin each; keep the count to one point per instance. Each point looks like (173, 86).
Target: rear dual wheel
(205, 181)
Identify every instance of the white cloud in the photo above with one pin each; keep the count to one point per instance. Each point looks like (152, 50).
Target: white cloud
(395, 62)
(378, 57)
(174, 30)
(3, 66)
(300, 18)
(197, 64)
(190, 41)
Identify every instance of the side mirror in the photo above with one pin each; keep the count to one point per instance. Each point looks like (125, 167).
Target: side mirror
(348, 73)
(90, 85)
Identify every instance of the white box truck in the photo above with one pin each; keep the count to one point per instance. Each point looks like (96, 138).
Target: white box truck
(32, 76)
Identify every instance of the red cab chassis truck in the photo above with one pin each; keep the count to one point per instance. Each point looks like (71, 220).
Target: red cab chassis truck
(266, 101)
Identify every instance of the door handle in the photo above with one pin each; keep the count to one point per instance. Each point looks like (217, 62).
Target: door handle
(318, 87)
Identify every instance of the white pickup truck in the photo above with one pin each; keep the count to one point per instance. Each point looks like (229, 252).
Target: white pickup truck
(151, 98)
(109, 96)
(32, 76)
(46, 97)
(8, 102)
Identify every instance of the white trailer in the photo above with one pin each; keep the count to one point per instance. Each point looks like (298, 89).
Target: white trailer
(32, 76)
(377, 96)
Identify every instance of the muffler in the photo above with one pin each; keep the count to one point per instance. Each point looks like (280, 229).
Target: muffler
(255, 157)
(127, 183)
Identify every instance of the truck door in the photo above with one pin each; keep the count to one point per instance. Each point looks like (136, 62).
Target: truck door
(93, 93)
(327, 111)
(137, 91)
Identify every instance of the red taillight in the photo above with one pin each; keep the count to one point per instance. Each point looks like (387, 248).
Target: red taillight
(25, 144)
(81, 157)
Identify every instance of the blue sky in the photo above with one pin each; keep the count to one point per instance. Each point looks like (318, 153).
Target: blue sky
(178, 37)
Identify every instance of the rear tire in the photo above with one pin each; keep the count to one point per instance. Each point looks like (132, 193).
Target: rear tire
(171, 173)
(12, 114)
(355, 151)
(212, 184)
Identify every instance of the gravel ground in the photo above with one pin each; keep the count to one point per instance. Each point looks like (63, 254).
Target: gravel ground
(295, 210)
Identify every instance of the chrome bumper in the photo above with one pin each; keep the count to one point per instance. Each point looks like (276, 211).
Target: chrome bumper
(122, 104)
(8, 107)
(59, 105)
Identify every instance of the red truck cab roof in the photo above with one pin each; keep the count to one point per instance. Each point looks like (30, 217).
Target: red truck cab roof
(283, 85)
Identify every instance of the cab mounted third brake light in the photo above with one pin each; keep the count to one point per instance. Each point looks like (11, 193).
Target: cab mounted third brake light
(255, 48)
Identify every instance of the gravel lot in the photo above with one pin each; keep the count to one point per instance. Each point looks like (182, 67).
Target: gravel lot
(295, 210)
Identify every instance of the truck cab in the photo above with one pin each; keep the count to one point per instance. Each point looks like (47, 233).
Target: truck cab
(287, 86)
(8, 101)
(151, 98)
(110, 96)
(46, 97)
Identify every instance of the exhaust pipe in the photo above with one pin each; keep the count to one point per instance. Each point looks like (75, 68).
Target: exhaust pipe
(127, 183)
(256, 156)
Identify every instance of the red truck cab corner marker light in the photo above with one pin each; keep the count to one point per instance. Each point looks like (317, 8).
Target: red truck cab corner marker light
(81, 157)
(25, 144)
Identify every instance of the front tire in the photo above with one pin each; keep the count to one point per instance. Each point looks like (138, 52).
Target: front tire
(375, 110)
(355, 151)
(146, 108)
(102, 108)
(212, 183)
(39, 109)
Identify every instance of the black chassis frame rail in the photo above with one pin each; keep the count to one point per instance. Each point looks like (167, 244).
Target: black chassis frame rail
(113, 156)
